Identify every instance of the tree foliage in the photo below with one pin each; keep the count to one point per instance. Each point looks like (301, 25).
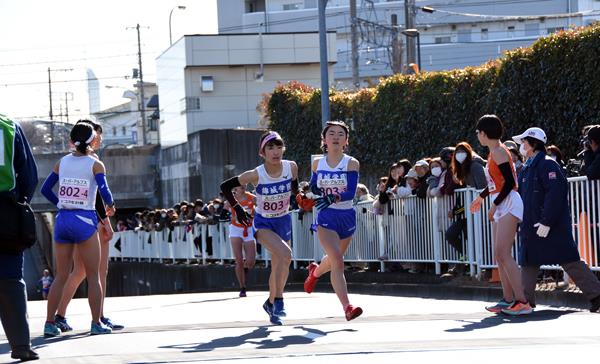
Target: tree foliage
(554, 84)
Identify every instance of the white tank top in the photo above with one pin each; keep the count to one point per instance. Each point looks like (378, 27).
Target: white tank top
(273, 194)
(76, 183)
(334, 180)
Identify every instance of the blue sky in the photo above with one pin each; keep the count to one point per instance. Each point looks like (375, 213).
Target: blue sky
(81, 34)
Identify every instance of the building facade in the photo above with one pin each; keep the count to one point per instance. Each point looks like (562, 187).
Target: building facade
(458, 33)
(218, 81)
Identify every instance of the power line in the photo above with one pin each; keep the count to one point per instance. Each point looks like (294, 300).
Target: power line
(74, 59)
(63, 81)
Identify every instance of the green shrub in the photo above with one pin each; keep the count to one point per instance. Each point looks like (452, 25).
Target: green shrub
(554, 84)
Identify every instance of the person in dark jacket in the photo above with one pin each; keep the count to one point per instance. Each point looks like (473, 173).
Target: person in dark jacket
(591, 155)
(545, 232)
(18, 176)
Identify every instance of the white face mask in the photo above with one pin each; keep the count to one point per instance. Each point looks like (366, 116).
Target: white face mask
(163, 215)
(216, 206)
(522, 150)
(461, 156)
(436, 171)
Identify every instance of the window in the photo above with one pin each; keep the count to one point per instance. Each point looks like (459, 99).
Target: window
(484, 34)
(190, 104)
(207, 84)
(464, 35)
(123, 130)
(532, 29)
(440, 40)
(294, 6)
(114, 131)
(511, 32)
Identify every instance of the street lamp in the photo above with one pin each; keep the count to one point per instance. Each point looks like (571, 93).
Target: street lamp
(180, 7)
(415, 33)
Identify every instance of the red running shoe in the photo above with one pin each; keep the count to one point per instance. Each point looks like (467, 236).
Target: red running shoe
(352, 312)
(311, 281)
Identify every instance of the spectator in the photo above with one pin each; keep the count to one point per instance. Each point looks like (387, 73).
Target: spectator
(555, 154)
(447, 184)
(591, 155)
(515, 154)
(46, 282)
(437, 177)
(468, 167)
(362, 194)
(546, 236)
(467, 171)
(122, 226)
(18, 179)
(386, 192)
(422, 170)
(412, 181)
(401, 189)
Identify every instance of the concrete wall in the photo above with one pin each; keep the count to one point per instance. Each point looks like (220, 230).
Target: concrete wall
(132, 174)
(197, 168)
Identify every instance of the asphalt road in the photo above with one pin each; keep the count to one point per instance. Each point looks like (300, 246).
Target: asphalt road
(220, 327)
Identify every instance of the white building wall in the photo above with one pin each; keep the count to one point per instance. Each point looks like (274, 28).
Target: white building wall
(170, 78)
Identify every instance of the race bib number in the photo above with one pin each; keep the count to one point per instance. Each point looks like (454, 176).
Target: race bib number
(275, 205)
(333, 185)
(73, 192)
(1, 148)
(490, 182)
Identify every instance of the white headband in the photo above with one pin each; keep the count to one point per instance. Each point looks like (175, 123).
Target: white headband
(89, 140)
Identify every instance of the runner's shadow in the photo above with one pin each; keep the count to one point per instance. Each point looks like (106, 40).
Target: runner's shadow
(258, 337)
(496, 320)
(38, 342)
(223, 342)
(308, 338)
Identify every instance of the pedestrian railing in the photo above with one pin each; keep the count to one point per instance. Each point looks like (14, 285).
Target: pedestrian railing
(410, 230)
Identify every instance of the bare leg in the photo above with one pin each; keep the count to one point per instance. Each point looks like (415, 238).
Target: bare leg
(75, 278)
(250, 253)
(325, 265)
(236, 247)
(105, 234)
(90, 255)
(332, 245)
(504, 239)
(281, 257)
(64, 260)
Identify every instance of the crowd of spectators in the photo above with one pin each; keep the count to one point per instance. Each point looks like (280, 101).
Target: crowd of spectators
(183, 213)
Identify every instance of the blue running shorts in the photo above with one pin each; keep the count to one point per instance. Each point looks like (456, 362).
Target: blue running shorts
(343, 222)
(75, 226)
(281, 226)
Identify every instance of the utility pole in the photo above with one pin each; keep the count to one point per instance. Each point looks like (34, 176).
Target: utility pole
(67, 105)
(396, 46)
(324, 63)
(409, 23)
(142, 105)
(51, 113)
(354, 43)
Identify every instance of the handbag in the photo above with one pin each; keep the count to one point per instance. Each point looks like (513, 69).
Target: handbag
(18, 230)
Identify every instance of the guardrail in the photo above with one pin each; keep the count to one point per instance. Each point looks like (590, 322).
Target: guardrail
(409, 230)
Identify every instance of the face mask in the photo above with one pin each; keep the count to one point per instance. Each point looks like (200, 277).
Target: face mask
(553, 157)
(522, 149)
(163, 215)
(217, 206)
(460, 157)
(436, 171)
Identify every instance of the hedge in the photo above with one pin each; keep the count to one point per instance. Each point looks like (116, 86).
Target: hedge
(554, 84)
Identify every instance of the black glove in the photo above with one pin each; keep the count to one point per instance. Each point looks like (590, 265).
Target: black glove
(316, 190)
(324, 202)
(242, 216)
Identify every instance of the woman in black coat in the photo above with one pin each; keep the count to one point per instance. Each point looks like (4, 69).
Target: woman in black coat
(545, 231)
